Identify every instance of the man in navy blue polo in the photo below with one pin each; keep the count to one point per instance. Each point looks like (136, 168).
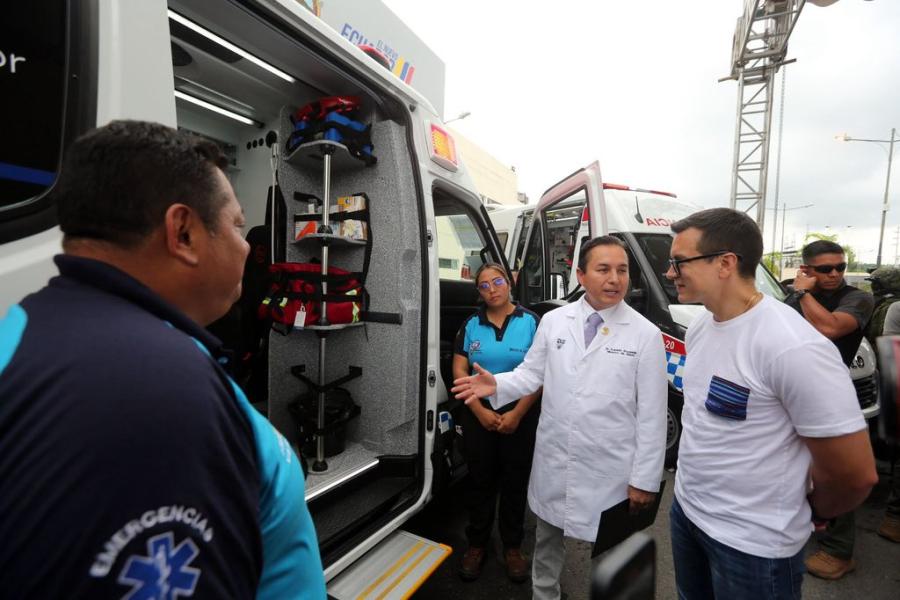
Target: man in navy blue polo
(132, 465)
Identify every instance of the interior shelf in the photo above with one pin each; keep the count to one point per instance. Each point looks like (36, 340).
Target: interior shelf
(330, 238)
(334, 327)
(309, 156)
(354, 460)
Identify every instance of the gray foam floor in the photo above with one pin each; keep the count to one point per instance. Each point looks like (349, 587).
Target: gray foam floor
(353, 457)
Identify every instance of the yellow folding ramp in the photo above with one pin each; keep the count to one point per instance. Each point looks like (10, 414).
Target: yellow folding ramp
(392, 570)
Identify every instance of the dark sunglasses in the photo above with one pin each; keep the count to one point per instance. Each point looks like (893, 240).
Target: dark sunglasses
(498, 282)
(675, 263)
(826, 269)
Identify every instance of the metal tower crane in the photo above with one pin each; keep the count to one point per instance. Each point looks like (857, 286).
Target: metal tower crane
(759, 50)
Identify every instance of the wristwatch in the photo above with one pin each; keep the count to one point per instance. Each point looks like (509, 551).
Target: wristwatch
(800, 293)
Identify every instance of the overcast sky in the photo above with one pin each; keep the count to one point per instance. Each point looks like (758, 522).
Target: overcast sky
(634, 84)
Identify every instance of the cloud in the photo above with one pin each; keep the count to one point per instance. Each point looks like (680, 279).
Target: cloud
(634, 84)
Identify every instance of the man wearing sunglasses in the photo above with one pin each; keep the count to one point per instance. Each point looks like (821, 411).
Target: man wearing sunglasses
(840, 312)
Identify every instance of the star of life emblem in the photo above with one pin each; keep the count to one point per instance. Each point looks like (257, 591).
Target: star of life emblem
(164, 574)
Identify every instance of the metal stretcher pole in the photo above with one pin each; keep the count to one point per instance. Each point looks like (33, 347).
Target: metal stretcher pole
(320, 464)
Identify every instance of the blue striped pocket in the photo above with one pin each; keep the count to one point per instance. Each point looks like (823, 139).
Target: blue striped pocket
(727, 399)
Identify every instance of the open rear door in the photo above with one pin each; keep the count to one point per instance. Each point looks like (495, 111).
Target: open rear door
(568, 212)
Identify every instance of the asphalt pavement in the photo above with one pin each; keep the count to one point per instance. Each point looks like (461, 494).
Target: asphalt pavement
(877, 577)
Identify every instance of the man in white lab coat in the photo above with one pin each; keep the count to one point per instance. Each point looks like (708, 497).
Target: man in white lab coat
(601, 436)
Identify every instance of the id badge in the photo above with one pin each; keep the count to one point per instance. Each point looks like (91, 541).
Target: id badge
(727, 399)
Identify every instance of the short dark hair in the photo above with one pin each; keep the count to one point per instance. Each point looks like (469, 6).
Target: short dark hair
(117, 181)
(726, 229)
(603, 240)
(814, 249)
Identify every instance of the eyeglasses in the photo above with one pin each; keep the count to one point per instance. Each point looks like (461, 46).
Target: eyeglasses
(675, 263)
(826, 269)
(498, 282)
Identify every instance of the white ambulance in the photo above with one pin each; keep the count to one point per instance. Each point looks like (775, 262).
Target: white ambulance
(542, 244)
(233, 71)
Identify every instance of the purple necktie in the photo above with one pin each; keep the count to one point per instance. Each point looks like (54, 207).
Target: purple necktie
(590, 328)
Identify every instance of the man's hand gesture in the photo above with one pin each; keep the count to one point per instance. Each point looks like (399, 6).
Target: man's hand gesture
(804, 281)
(480, 385)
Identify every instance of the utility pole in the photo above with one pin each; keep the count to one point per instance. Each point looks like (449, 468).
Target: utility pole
(887, 187)
(887, 184)
(784, 209)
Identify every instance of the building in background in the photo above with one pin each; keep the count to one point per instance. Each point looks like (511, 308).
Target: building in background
(374, 24)
(497, 183)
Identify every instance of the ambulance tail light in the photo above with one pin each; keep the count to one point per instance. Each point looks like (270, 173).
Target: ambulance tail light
(442, 148)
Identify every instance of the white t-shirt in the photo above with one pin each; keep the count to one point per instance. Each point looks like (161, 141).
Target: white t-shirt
(752, 386)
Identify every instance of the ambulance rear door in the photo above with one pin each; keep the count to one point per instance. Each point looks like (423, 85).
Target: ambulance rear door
(570, 210)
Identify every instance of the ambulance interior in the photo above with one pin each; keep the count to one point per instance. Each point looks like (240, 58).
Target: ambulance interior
(563, 226)
(236, 93)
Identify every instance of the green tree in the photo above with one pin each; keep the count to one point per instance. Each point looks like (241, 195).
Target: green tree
(772, 261)
(813, 236)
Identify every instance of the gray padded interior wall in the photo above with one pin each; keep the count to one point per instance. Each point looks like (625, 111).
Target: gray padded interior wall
(389, 355)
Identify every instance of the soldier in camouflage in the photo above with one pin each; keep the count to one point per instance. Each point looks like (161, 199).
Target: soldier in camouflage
(886, 289)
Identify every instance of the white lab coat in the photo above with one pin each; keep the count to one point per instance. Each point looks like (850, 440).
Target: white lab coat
(603, 413)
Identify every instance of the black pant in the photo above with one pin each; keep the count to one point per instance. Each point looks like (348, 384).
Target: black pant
(498, 462)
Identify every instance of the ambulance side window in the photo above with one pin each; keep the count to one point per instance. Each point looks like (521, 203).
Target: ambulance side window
(563, 224)
(532, 273)
(550, 256)
(503, 237)
(33, 49)
(638, 288)
(522, 225)
(459, 246)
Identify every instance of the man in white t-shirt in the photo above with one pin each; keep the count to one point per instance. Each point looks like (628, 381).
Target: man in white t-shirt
(757, 435)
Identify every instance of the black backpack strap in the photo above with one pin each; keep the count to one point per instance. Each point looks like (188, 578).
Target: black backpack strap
(299, 371)
(371, 316)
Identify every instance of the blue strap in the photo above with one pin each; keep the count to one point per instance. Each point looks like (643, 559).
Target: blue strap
(292, 567)
(12, 327)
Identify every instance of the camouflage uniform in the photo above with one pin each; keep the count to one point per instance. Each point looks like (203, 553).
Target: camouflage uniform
(886, 289)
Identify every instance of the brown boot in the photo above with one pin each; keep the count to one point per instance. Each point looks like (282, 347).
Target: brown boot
(516, 565)
(821, 564)
(471, 563)
(890, 529)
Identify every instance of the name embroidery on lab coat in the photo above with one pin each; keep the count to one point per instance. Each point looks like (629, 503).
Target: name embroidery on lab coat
(621, 351)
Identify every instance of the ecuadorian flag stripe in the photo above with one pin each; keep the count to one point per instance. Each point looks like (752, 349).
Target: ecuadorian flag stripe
(398, 66)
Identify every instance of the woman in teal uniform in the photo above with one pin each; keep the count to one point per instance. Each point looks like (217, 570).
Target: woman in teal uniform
(499, 443)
